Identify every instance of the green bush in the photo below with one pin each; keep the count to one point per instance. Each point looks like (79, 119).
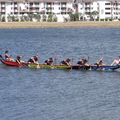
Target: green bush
(55, 19)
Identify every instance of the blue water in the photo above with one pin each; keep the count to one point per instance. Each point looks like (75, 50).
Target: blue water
(29, 94)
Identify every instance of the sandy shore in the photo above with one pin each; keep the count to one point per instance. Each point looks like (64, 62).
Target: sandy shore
(10, 25)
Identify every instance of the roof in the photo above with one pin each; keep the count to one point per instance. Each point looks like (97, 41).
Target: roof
(68, 1)
(36, 1)
(81, 1)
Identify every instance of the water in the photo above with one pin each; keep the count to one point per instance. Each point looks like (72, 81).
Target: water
(27, 94)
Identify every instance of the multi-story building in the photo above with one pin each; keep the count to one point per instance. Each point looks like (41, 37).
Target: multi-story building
(60, 8)
(101, 9)
(106, 9)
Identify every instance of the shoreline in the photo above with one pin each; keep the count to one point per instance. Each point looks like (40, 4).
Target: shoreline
(79, 24)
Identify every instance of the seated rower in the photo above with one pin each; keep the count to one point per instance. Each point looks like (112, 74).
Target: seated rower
(80, 62)
(7, 56)
(100, 63)
(66, 62)
(116, 62)
(49, 61)
(18, 60)
(83, 62)
(33, 59)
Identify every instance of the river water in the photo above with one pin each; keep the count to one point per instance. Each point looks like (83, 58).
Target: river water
(34, 94)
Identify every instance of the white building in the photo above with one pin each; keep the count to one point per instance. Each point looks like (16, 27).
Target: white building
(107, 9)
(60, 9)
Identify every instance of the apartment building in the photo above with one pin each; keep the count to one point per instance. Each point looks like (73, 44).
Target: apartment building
(60, 8)
(105, 9)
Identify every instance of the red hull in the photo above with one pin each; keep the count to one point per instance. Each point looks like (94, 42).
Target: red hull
(13, 64)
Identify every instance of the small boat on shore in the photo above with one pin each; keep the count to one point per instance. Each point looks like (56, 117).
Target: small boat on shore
(12, 63)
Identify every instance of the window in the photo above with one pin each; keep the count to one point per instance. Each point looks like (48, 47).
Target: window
(36, 3)
(107, 8)
(31, 3)
(107, 13)
(107, 3)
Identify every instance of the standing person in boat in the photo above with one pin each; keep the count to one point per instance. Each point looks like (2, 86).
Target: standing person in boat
(66, 62)
(116, 62)
(49, 61)
(7, 56)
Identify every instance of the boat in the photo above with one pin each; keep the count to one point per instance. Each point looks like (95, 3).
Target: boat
(44, 66)
(57, 66)
(94, 67)
(12, 63)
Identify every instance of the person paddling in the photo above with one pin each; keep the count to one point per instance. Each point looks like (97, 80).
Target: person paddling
(33, 59)
(49, 61)
(116, 62)
(7, 56)
(100, 63)
(83, 62)
(66, 62)
(18, 59)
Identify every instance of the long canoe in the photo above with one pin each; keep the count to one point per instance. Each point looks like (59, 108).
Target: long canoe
(12, 63)
(44, 66)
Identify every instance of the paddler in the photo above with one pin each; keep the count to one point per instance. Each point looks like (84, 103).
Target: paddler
(18, 60)
(100, 63)
(116, 62)
(83, 62)
(7, 56)
(33, 59)
(66, 62)
(49, 61)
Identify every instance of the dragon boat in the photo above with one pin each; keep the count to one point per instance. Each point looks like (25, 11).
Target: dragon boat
(57, 66)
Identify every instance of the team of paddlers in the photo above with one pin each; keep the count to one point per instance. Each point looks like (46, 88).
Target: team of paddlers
(50, 61)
